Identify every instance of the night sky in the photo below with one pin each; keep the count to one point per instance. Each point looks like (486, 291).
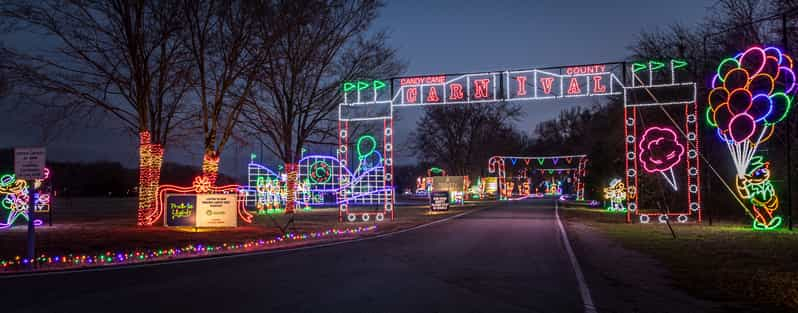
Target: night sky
(433, 38)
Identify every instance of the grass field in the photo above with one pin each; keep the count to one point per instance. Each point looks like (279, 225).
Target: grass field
(95, 225)
(723, 262)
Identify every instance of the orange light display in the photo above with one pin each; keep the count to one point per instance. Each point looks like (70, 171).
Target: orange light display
(150, 161)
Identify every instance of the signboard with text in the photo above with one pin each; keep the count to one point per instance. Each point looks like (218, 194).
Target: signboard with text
(29, 163)
(217, 210)
(439, 201)
(180, 210)
(532, 84)
(448, 183)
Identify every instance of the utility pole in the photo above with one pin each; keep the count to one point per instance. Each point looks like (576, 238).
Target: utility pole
(785, 44)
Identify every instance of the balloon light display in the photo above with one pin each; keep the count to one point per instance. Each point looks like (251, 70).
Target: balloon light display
(366, 167)
(751, 94)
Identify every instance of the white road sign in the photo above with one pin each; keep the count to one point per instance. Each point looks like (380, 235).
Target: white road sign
(29, 163)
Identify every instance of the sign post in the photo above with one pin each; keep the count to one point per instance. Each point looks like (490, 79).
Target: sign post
(29, 165)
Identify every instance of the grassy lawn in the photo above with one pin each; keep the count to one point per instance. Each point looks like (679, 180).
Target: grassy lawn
(723, 262)
(96, 225)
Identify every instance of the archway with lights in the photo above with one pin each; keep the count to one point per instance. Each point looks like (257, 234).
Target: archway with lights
(537, 176)
(666, 149)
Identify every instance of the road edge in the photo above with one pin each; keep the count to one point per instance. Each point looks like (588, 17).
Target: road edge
(213, 258)
(584, 291)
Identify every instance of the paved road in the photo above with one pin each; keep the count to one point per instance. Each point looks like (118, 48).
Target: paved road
(508, 258)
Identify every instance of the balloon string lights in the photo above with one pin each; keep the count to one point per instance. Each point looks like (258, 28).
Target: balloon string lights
(751, 93)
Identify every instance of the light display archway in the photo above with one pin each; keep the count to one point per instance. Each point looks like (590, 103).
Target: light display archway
(576, 168)
(374, 102)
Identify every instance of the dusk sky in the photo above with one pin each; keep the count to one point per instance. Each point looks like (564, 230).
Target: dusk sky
(434, 38)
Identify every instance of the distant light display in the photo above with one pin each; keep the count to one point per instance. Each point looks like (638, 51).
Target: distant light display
(522, 188)
(616, 194)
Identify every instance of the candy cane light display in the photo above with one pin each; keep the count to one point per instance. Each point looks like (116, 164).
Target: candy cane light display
(751, 93)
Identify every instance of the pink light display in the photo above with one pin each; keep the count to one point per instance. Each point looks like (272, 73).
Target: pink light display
(666, 142)
(660, 151)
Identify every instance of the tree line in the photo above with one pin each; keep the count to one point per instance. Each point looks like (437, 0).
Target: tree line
(169, 71)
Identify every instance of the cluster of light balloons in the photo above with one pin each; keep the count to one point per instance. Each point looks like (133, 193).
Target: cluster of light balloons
(750, 93)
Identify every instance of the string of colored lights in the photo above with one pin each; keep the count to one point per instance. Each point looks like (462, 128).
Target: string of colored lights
(150, 161)
(71, 260)
(210, 166)
(292, 175)
(751, 93)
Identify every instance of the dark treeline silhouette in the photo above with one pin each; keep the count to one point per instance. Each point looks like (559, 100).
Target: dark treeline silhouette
(104, 178)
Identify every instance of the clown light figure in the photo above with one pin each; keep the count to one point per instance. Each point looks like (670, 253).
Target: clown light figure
(616, 193)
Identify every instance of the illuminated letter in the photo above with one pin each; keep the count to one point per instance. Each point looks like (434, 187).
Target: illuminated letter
(456, 92)
(597, 86)
(481, 88)
(432, 95)
(521, 85)
(411, 95)
(573, 87)
(546, 83)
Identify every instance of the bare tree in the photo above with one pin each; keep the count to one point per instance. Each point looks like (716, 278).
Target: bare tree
(463, 138)
(299, 86)
(118, 57)
(226, 53)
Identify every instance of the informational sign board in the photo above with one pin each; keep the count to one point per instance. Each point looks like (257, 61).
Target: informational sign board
(448, 183)
(491, 185)
(29, 163)
(216, 210)
(439, 201)
(181, 210)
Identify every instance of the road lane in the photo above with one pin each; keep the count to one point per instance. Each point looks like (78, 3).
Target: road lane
(507, 258)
